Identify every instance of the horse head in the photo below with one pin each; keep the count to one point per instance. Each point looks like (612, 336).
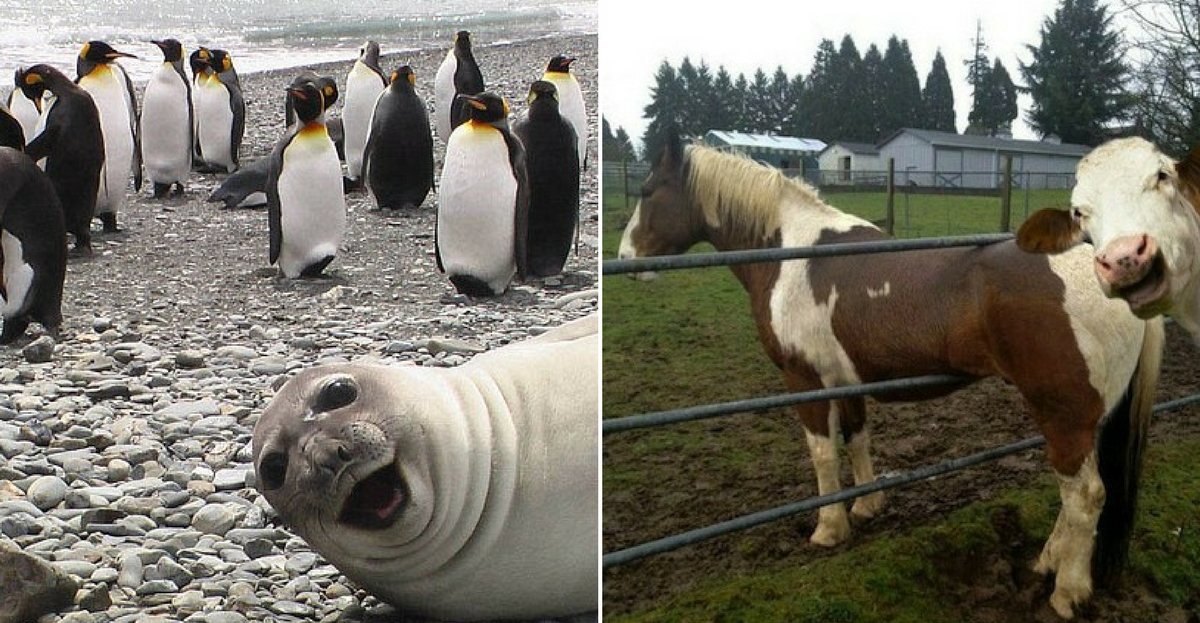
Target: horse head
(1138, 209)
(663, 223)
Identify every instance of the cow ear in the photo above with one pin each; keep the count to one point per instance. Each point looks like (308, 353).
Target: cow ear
(1049, 231)
(672, 156)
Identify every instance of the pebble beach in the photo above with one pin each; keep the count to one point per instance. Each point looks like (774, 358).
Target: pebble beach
(125, 457)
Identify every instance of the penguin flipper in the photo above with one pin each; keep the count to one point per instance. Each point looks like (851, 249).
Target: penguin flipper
(437, 250)
(237, 103)
(521, 213)
(274, 213)
(135, 128)
(43, 143)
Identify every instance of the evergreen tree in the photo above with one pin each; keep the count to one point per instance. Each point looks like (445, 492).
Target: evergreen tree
(725, 103)
(797, 122)
(900, 99)
(665, 109)
(855, 119)
(758, 104)
(978, 76)
(937, 99)
(741, 88)
(616, 147)
(821, 105)
(1077, 78)
(873, 95)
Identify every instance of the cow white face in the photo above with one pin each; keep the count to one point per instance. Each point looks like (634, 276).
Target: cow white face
(1137, 208)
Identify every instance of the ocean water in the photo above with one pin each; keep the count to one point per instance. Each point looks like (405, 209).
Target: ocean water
(270, 34)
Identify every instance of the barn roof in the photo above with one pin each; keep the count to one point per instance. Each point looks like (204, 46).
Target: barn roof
(862, 149)
(765, 141)
(990, 143)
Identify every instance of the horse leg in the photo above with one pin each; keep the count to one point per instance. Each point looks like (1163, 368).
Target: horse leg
(853, 412)
(1068, 551)
(821, 431)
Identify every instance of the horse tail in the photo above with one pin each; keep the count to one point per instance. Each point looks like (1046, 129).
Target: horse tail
(1121, 442)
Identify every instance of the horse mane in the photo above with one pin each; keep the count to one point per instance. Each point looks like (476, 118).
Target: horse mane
(732, 191)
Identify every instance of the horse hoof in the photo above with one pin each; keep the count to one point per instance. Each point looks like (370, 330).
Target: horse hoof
(829, 537)
(868, 506)
(1062, 605)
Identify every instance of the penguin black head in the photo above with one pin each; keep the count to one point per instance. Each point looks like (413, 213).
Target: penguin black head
(307, 100)
(101, 52)
(560, 64)
(220, 61)
(199, 61)
(172, 50)
(36, 80)
(329, 90)
(31, 87)
(542, 90)
(369, 53)
(462, 40)
(487, 107)
(326, 84)
(405, 73)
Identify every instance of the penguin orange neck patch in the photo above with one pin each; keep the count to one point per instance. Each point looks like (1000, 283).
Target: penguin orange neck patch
(312, 129)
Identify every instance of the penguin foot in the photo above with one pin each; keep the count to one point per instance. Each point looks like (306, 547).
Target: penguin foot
(472, 286)
(109, 220)
(161, 190)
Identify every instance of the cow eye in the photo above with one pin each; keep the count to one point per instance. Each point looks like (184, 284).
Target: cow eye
(1163, 175)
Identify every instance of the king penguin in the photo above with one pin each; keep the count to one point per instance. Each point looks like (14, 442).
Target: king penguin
(167, 122)
(71, 143)
(306, 210)
(201, 70)
(25, 110)
(570, 101)
(220, 113)
(33, 248)
(457, 75)
(483, 202)
(100, 75)
(364, 84)
(553, 165)
(398, 165)
(246, 187)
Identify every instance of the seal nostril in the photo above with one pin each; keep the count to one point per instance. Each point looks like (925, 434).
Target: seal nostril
(273, 470)
(343, 453)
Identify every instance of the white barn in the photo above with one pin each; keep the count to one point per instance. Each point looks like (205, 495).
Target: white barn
(945, 160)
(782, 152)
(847, 163)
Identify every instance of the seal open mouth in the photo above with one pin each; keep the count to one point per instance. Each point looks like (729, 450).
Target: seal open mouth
(1146, 296)
(376, 501)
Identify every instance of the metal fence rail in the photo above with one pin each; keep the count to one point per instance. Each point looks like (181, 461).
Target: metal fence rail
(662, 418)
(745, 522)
(750, 256)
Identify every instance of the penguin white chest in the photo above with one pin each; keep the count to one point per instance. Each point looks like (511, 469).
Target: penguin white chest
(214, 117)
(443, 95)
(363, 87)
(18, 275)
(312, 208)
(166, 131)
(477, 206)
(108, 90)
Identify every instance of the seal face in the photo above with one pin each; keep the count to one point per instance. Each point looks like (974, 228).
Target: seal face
(459, 494)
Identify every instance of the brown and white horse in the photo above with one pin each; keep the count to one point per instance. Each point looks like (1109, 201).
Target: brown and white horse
(1038, 321)
(1138, 209)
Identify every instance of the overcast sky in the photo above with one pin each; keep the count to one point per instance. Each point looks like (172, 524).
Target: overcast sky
(744, 35)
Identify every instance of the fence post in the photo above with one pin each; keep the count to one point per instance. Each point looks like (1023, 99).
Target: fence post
(891, 197)
(625, 181)
(1006, 195)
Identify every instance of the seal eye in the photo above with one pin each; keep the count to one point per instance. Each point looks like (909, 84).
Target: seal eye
(336, 394)
(273, 470)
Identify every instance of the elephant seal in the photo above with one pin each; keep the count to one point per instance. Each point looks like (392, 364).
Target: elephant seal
(455, 494)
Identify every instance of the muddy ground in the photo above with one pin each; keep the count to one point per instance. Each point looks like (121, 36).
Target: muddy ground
(905, 436)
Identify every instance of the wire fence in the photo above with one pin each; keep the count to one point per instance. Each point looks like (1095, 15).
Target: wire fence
(699, 412)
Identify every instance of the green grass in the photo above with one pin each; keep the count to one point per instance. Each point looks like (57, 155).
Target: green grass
(688, 338)
(914, 576)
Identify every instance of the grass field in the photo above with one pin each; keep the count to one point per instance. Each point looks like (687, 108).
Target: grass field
(687, 338)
